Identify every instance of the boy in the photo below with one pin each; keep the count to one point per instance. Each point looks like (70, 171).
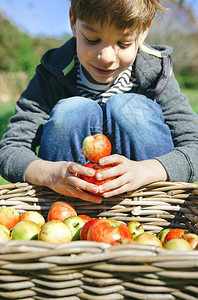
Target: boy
(103, 80)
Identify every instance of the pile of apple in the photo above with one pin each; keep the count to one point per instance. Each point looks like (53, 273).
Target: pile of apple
(64, 225)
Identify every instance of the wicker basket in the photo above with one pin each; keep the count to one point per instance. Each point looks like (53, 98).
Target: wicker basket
(88, 270)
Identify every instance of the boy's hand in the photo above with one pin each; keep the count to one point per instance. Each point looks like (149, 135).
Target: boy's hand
(130, 174)
(62, 177)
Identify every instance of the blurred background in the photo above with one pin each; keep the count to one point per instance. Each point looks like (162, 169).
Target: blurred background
(29, 28)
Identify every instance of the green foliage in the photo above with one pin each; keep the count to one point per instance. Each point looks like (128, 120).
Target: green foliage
(19, 51)
(16, 51)
(187, 79)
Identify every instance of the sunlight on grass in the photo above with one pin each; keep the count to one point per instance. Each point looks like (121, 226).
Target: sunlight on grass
(3, 181)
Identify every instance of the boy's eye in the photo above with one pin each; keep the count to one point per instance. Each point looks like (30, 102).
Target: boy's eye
(123, 45)
(91, 41)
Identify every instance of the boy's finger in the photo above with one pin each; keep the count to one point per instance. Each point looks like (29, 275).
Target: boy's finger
(112, 159)
(79, 169)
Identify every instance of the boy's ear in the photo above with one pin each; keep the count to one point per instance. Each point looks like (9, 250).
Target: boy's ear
(145, 33)
(72, 23)
(149, 25)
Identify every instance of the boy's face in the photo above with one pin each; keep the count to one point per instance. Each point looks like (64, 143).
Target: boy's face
(104, 52)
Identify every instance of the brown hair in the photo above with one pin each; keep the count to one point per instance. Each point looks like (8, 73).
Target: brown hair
(136, 14)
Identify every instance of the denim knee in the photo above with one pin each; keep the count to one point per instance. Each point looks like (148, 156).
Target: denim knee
(71, 111)
(129, 106)
(135, 111)
(71, 120)
(137, 121)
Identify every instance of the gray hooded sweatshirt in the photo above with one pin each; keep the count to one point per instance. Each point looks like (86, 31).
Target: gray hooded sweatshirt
(55, 79)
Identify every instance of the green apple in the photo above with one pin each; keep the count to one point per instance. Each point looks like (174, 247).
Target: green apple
(55, 231)
(3, 227)
(148, 238)
(178, 245)
(161, 235)
(4, 236)
(127, 241)
(75, 224)
(34, 216)
(25, 230)
(136, 228)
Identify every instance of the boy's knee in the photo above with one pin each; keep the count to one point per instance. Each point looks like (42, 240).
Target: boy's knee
(120, 102)
(73, 108)
(133, 106)
(74, 111)
(73, 104)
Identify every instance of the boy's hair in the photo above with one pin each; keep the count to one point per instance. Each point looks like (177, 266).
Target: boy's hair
(124, 14)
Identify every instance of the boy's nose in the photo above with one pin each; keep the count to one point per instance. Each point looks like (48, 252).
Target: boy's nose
(107, 54)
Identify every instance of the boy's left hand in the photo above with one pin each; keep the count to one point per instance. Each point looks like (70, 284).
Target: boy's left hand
(130, 174)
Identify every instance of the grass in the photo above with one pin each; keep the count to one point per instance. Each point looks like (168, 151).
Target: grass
(3, 181)
(7, 110)
(192, 95)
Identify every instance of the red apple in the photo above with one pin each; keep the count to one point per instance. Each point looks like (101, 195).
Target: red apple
(175, 233)
(60, 210)
(74, 223)
(148, 238)
(96, 146)
(55, 231)
(9, 217)
(178, 245)
(108, 231)
(192, 238)
(33, 216)
(136, 228)
(85, 218)
(97, 169)
(85, 229)
(25, 230)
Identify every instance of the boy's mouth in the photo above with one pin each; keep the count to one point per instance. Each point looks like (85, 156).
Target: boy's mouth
(100, 71)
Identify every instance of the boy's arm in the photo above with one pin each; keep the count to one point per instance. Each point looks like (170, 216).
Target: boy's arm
(181, 163)
(18, 145)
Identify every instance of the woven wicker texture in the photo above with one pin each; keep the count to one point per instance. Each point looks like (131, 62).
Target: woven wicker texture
(88, 270)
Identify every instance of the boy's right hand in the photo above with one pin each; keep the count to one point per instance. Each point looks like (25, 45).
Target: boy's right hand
(62, 177)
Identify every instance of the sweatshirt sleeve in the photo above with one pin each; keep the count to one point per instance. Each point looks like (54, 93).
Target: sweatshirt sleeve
(182, 162)
(24, 130)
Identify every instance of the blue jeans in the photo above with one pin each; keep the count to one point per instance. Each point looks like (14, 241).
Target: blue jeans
(133, 123)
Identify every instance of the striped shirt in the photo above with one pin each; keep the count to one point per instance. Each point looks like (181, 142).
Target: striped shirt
(124, 83)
